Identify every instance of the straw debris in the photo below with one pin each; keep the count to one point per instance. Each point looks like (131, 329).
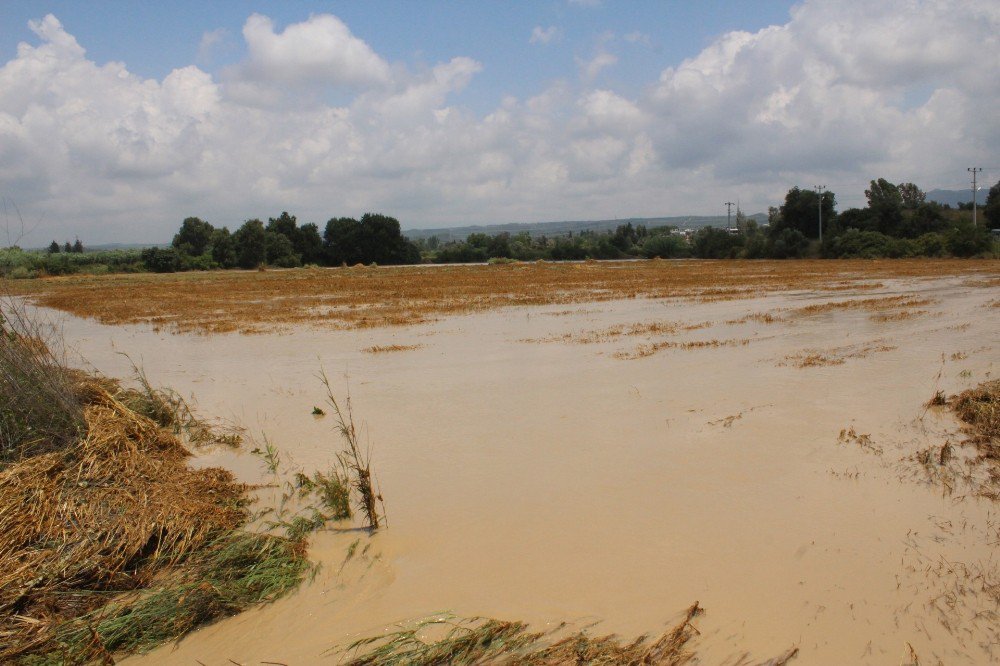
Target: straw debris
(482, 641)
(108, 540)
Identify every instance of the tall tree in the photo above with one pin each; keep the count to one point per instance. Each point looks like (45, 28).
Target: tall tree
(911, 195)
(53, 248)
(194, 236)
(886, 205)
(249, 239)
(224, 248)
(801, 212)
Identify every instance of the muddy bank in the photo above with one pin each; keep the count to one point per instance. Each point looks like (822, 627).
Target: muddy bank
(543, 478)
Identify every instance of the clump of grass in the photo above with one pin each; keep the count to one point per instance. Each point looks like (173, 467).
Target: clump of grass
(938, 399)
(862, 440)
(168, 409)
(39, 407)
(356, 460)
(979, 407)
(318, 412)
(480, 641)
(382, 349)
(487, 641)
(235, 571)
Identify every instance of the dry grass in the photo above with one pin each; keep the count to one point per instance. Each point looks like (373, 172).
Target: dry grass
(886, 308)
(642, 351)
(104, 515)
(862, 440)
(497, 642)
(979, 408)
(623, 330)
(359, 297)
(384, 349)
(108, 540)
(761, 317)
(899, 315)
(811, 358)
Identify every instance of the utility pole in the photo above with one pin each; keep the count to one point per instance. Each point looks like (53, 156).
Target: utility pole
(819, 192)
(974, 171)
(729, 215)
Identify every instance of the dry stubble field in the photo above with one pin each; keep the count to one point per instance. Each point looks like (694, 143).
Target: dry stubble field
(362, 297)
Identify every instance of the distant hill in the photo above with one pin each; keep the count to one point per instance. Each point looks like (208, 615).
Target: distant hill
(955, 197)
(565, 227)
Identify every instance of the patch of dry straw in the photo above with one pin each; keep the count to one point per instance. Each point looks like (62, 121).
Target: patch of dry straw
(103, 515)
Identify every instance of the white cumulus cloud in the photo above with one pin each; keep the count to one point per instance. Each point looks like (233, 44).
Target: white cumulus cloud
(838, 94)
(321, 49)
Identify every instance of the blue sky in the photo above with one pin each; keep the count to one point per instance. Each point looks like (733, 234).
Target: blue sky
(154, 38)
(118, 119)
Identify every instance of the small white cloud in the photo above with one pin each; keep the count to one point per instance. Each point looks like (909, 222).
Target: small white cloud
(637, 37)
(540, 35)
(210, 41)
(589, 69)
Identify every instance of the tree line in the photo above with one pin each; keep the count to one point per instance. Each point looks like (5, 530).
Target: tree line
(198, 245)
(897, 221)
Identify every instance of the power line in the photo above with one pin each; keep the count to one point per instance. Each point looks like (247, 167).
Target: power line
(729, 215)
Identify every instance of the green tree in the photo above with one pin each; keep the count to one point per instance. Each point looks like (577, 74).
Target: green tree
(67, 248)
(801, 212)
(78, 247)
(341, 241)
(284, 224)
(991, 211)
(250, 244)
(309, 244)
(53, 248)
(194, 237)
(712, 243)
(224, 248)
(886, 205)
(279, 250)
(664, 246)
(911, 195)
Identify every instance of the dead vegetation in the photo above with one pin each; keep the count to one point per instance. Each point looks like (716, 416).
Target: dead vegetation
(487, 641)
(384, 349)
(617, 331)
(811, 358)
(643, 351)
(884, 309)
(862, 440)
(979, 411)
(361, 297)
(109, 542)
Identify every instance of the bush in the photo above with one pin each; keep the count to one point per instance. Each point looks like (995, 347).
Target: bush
(159, 260)
(665, 246)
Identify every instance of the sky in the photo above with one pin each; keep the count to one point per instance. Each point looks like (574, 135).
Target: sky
(120, 119)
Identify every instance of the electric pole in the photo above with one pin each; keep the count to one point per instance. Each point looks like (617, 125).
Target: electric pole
(729, 215)
(819, 192)
(974, 171)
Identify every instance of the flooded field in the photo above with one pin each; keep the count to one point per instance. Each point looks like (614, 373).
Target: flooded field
(558, 449)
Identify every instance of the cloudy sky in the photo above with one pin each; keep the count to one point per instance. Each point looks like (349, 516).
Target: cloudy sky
(119, 119)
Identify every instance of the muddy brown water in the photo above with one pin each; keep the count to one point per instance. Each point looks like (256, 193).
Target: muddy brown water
(553, 481)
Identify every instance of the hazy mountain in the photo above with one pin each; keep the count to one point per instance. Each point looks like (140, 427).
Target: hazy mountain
(955, 197)
(576, 226)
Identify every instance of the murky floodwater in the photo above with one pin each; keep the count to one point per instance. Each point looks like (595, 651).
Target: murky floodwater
(551, 481)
